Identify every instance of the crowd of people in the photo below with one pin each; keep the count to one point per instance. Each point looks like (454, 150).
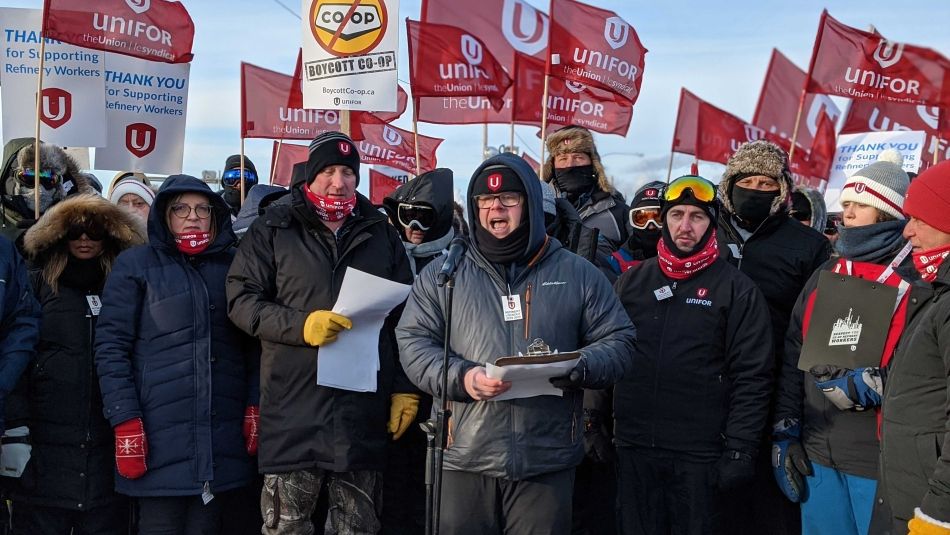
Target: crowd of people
(159, 350)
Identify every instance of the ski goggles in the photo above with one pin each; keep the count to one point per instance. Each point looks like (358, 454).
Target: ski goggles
(415, 215)
(232, 177)
(92, 232)
(642, 218)
(701, 189)
(48, 179)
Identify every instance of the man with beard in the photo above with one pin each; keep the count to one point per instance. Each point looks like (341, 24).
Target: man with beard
(688, 422)
(645, 228)
(231, 181)
(577, 174)
(59, 176)
(779, 254)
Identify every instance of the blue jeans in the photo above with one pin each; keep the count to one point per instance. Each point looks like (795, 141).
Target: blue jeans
(837, 503)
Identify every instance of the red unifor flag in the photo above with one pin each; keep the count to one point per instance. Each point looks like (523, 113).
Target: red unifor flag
(283, 160)
(569, 102)
(156, 30)
(446, 61)
(595, 47)
(779, 99)
(381, 186)
(868, 116)
(687, 117)
(266, 111)
(384, 144)
(852, 63)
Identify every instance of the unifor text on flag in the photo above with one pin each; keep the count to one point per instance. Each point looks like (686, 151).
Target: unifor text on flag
(595, 47)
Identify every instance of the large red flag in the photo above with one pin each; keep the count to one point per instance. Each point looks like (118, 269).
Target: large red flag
(447, 61)
(595, 47)
(867, 116)
(687, 116)
(384, 144)
(156, 30)
(266, 112)
(778, 102)
(382, 185)
(283, 159)
(857, 64)
(569, 102)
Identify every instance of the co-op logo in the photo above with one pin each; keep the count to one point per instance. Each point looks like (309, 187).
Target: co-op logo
(140, 139)
(888, 53)
(616, 32)
(391, 136)
(56, 107)
(525, 28)
(471, 49)
(139, 6)
(348, 27)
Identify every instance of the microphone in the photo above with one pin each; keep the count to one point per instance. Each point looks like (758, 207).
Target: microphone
(452, 260)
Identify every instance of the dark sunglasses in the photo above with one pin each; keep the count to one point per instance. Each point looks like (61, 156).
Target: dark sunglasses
(232, 177)
(48, 179)
(418, 215)
(76, 232)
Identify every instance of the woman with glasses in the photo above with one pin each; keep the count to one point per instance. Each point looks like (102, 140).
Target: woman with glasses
(68, 482)
(179, 381)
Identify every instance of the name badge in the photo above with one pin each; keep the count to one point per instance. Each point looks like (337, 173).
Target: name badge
(663, 293)
(95, 304)
(511, 306)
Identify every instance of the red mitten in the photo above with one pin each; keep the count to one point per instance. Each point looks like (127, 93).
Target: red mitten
(252, 419)
(131, 448)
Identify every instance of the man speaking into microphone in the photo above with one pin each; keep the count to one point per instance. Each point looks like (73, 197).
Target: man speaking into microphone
(509, 466)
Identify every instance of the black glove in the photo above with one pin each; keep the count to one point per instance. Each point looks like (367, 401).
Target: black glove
(574, 380)
(733, 469)
(597, 442)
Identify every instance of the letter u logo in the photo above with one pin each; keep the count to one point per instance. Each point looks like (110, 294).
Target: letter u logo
(494, 181)
(471, 49)
(140, 139)
(344, 148)
(616, 32)
(57, 107)
(525, 28)
(888, 53)
(139, 6)
(391, 136)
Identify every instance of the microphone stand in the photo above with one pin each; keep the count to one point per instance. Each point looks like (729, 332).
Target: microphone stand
(436, 429)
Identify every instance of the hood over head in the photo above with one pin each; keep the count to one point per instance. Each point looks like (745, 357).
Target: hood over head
(160, 235)
(435, 188)
(18, 154)
(258, 197)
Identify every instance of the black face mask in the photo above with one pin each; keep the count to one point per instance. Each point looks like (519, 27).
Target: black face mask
(232, 197)
(575, 181)
(644, 240)
(752, 206)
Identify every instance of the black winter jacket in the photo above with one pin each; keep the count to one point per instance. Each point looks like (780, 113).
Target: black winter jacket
(702, 363)
(284, 270)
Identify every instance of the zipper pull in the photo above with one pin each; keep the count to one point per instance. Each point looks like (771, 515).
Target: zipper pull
(206, 495)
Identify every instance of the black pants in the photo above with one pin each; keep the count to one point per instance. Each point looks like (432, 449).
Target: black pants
(595, 499)
(112, 519)
(661, 494)
(179, 515)
(480, 505)
(759, 507)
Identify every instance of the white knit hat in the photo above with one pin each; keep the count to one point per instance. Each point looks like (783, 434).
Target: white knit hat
(134, 186)
(882, 185)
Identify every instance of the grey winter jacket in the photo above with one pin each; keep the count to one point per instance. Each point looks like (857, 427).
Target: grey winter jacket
(566, 302)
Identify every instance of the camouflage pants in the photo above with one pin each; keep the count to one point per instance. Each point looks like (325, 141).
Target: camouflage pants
(289, 499)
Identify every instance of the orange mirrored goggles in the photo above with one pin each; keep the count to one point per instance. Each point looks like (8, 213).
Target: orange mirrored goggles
(641, 218)
(701, 189)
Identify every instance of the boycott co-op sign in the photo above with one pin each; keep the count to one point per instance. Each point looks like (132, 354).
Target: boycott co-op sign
(349, 54)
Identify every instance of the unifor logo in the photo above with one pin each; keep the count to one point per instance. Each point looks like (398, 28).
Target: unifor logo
(391, 136)
(525, 28)
(929, 115)
(344, 148)
(859, 187)
(140, 139)
(575, 87)
(702, 292)
(616, 32)
(471, 49)
(139, 6)
(888, 53)
(494, 181)
(57, 107)
(651, 193)
(511, 303)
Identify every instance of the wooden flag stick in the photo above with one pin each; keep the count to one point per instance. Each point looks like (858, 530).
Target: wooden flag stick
(242, 172)
(481, 157)
(415, 137)
(798, 119)
(345, 122)
(36, 141)
(544, 122)
(669, 170)
(273, 169)
(511, 142)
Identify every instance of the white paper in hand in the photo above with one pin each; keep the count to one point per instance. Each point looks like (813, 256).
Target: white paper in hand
(351, 361)
(529, 380)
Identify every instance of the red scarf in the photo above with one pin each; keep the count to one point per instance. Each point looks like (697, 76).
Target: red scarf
(928, 262)
(330, 209)
(678, 268)
(193, 243)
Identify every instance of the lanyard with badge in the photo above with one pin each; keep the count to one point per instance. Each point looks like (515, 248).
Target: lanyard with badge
(511, 306)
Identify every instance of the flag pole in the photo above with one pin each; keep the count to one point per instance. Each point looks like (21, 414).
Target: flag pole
(798, 119)
(484, 141)
(345, 122)
(511, 142)
(544, 122)
(937, 137)
(415, 137)
(36, 141)
(669, 170)
(273, 169)
(242, 171)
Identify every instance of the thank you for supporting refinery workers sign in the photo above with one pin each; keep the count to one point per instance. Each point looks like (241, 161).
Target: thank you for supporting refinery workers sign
(73, 92)
(349, 54)
(146, 104)
(857, 151)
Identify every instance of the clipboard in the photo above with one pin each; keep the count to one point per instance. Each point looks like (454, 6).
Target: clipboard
(539, 359)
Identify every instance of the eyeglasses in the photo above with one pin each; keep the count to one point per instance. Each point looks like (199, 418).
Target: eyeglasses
(418, 215)
(232, 177)
(183, 211)
(642, 218)
(700, 188)
(27, 178)
(76, 232)
(508, 199)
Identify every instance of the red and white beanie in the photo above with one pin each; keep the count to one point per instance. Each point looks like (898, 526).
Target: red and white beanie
(883, 185)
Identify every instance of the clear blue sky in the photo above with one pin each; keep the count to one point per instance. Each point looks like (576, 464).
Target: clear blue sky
(719, 50)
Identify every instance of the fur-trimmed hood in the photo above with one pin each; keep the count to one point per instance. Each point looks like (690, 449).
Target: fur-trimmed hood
(758, 158)
(123, 229)
(819, 212)
(18, 154)
(575, 139)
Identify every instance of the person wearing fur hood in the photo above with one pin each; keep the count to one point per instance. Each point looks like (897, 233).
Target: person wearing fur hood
(68, 482)
(577, 174)
(60, 176)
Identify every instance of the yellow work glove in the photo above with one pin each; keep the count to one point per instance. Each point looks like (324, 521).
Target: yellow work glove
(402, 412)
(322, 327)
(922, 524)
